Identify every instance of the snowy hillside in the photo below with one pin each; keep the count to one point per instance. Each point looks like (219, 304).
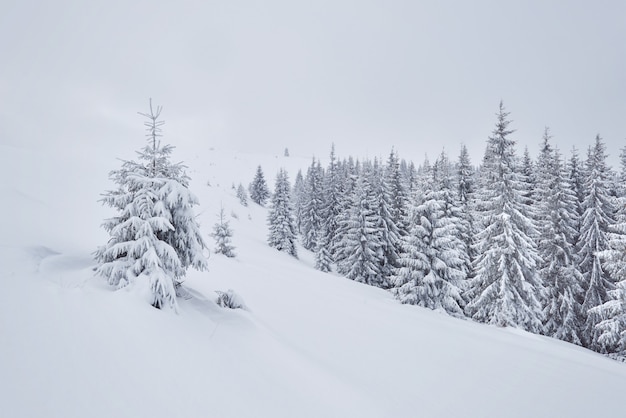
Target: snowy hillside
(311, 344)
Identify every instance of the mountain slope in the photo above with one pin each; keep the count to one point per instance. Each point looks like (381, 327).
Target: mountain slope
(309, 345)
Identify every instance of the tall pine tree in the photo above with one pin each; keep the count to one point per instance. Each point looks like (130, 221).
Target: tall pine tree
(311, 217)
(432, 261)
(598, 216)
(557, 219)
(282, 230)
(506, 289)
(361, 245)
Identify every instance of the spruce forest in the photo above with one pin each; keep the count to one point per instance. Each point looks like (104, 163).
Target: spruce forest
(515, 242)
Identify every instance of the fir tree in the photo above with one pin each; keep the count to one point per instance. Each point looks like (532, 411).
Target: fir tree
(348, 180)
(465, 178)
(259, 192)
(155, 237)
(332, 205)
(431, 272)
(557, 218)
(528, 178)
(577, 181)
(298, 199)
(282, 231)
(465, 198)
(242, 195)
(611, 327)
(506, 289)
(597, 217)
(222, 235)
(323, 260)
(386, 228)
(311, 216)
(361, 245)
(621, 191)
(398, 195)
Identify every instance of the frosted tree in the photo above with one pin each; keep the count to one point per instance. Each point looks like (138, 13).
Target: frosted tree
(386, 229)
(621, 189)
(425, 177)
(323, 259)
(528, 178)
(454, 213)
(432, 262)
(361, 245)
(259, 192)
(155, 237)
(611, 327)
(298, 198)
(311, 217)
(576, 178)
(398, 195)
(598, 216)
(465, 178)
(465, 175)
(332, 205)
(242, 195)
(411, 178)
(557, 220)
(282, 231)
(506, 290)
(348, 179)
(222, 235)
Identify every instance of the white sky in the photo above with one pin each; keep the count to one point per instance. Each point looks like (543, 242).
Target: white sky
(265, 75)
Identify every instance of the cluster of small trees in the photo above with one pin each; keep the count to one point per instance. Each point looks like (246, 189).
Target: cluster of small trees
(538, 245)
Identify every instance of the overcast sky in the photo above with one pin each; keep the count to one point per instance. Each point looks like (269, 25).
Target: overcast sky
(264, 75)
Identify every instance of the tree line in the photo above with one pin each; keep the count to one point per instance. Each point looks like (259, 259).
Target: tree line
(534, 244)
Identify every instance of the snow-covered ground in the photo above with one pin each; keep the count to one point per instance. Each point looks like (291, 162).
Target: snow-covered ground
(310, 344)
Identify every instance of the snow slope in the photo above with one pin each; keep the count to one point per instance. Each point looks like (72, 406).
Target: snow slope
(310, 345)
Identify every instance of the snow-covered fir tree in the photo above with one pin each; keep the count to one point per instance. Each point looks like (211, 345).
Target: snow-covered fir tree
(259, 192)
(282, 230)
(155, 237)
(454, 212)
(557, 221)
(348, 180)
(620, 200)
(598, 216)
(398, 194)
(323, 259)
(222, 235)
(298, 198)
(611, 328)
(242, 195)
(386, 228)
(361, 247)
(465, 177)
(506, 289)
(332, 205)
(432, 261)
(424, 177)
(528, 178)
(576, 179)
(311, 217)
(411, 178)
